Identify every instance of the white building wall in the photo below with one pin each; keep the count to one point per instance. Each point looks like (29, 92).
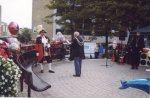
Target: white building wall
(3, 29)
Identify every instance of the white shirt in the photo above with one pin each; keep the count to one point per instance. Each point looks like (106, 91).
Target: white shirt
(45, 42)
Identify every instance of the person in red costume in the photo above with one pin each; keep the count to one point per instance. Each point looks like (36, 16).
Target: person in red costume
(45, 41)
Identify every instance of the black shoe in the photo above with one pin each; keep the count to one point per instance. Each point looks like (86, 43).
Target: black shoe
(41, 71)
(51, 71)
(76, 75)
(136, 68)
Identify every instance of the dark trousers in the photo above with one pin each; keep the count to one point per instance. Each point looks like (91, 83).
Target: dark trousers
(135, 60)
(96, 55)
(47, 58)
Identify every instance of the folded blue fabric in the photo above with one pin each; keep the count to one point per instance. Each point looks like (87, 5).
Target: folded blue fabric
(143, 84)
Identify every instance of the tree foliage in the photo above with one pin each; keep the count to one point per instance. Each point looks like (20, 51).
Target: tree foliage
(24, 36)
(101, 15)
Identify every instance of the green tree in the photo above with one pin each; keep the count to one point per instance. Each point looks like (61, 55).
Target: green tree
(120, 13)
(24, 36)
(72, 13)
(101, 16)
(133, 13)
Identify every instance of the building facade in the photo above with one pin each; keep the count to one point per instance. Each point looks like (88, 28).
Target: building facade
(3, 25)
(39, 11)
(3, 29)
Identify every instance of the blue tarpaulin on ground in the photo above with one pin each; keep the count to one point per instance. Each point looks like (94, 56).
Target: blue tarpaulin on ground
(142, 84)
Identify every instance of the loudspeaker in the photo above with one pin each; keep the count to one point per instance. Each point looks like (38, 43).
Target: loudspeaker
(148, 63)
(143, 59)
(143, 56)
(143, 62)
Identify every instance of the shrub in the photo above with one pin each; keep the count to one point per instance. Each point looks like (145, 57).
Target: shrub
(9, 76)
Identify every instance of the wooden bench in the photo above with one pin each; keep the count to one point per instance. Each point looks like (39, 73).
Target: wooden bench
(26, 61)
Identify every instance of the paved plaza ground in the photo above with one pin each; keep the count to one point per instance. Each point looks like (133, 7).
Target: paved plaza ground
(96, 80)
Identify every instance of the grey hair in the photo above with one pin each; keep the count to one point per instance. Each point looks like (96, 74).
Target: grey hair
(76, 34)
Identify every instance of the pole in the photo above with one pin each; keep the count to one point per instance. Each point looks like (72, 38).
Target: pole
(82, 27)
(106, 35)
(106, 52)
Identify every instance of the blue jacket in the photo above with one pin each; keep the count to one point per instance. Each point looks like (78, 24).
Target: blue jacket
(101, 49)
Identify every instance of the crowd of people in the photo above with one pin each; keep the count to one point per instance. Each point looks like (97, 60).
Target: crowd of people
(122, 53)
(131, 51)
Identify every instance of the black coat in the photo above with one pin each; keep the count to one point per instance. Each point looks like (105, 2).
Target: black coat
(77, 48)
(137, 46)
(39, 40)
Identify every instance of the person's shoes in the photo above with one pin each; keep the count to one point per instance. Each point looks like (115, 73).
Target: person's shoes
(42, 71)
(76, 75)
(51, 71)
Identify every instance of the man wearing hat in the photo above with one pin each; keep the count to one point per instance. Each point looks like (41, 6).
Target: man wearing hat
(44, 40)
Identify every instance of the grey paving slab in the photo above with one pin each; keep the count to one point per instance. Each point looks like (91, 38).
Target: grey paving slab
(96, 81)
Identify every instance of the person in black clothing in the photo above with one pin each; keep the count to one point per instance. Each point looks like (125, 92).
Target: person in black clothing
(77, 49)
(127, 57)
(96, 52)
(137, 45)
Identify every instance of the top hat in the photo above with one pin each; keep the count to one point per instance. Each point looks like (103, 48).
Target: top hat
(39, 28)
